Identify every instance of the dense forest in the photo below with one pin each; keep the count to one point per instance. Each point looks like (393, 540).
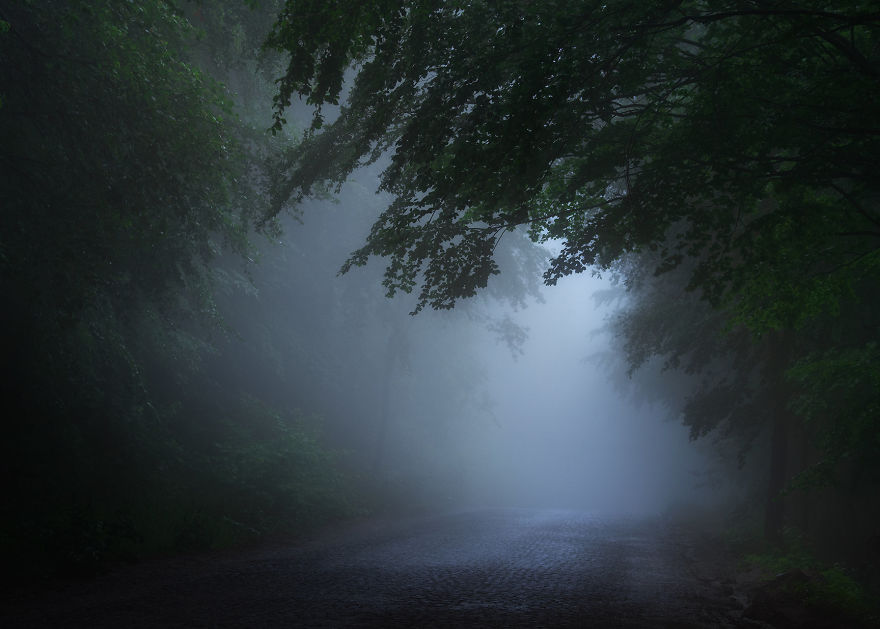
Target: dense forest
(181, 372)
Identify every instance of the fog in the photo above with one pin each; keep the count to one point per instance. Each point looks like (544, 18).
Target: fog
(443, 410)
(506, 400)
(565, 437)
(187, 369)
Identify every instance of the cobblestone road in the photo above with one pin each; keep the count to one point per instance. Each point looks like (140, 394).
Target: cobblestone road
(500, 568)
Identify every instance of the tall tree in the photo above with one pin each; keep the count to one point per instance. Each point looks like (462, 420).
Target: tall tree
(125, 173)
(708, 371)
(735, 135)
(737, 128)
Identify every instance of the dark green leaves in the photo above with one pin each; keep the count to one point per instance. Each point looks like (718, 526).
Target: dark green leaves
(323, 39)
(605, 124)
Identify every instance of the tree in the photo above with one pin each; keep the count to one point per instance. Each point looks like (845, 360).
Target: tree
(124, 177)
(806, 397)
(736, 136)
(708, 372)
(734, 128)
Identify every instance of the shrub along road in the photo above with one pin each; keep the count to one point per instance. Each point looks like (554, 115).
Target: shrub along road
(510, 568)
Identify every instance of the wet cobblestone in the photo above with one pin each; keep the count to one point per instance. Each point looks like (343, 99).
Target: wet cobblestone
(501, 568)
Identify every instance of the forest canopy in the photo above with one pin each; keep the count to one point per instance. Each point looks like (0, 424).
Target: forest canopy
(740, 134)
(180, 373)
(733, 141)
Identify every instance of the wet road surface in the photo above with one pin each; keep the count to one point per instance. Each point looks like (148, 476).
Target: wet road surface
(499, 568)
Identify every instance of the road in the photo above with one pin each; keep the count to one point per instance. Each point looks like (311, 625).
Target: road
(496, 568)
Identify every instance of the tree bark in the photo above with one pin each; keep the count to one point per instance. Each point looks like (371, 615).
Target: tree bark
(774, 512)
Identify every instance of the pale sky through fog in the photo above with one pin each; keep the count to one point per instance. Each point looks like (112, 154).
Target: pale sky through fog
(565, 437)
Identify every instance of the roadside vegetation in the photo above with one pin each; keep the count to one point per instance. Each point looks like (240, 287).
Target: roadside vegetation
(181, 373)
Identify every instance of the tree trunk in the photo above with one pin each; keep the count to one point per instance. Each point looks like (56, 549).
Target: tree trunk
(774, 514)
(397, 348)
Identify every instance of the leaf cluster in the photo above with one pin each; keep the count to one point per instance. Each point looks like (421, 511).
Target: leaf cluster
(127, 177)
(608, 125)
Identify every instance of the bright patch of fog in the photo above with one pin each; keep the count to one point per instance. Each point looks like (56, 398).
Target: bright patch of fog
(436, 411)
(564, 437)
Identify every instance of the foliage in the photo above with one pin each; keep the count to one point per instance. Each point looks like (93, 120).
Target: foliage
(724, 382)
(839, 399)
(614, 126)
(279, 471)
(729, 141)
(130, 179)
(127, 179)
(689, 357)
(826, 587)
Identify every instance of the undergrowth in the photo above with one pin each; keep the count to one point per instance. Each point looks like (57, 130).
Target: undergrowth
(830, 587)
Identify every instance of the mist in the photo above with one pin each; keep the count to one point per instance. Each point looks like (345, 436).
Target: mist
(564, 437)
(508, 400)
(463, 313)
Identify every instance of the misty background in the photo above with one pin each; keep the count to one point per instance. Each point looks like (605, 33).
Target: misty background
(515, 398)
(185, 367)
